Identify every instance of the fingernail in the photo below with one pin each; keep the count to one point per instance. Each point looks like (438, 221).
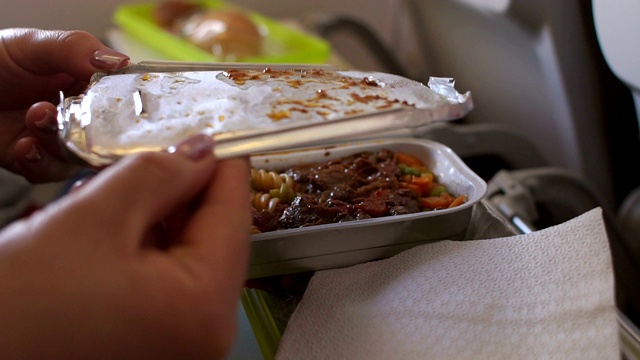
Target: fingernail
(195, 148)
(46, 124)
(110, 60)
(34, 154)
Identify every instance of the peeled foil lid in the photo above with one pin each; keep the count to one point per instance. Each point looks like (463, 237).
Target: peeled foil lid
(149, 111)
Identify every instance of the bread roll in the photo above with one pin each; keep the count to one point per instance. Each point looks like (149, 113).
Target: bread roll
(228, 35)
(170, 12)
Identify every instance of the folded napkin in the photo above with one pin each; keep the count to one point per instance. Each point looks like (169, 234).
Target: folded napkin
(544, 295)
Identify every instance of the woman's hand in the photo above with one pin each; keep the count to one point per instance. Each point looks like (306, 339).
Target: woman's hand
(35, 65)
(145, 261)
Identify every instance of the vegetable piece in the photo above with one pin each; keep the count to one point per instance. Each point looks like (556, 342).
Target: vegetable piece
(414, 188)
(436, 202)
(458, 201)
(437, 190)
(274, 193)
(409, 160)
(424, 182)
(408, 170)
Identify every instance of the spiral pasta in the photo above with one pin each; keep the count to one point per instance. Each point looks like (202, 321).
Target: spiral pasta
(269, 188)
(264, 180)
(264, 201)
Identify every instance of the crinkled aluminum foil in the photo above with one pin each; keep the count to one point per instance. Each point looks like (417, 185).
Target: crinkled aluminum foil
(247, 110)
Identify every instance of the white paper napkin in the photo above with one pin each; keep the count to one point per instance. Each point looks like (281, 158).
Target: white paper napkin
(544, 295)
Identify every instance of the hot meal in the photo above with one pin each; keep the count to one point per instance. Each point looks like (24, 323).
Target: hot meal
(365, 185)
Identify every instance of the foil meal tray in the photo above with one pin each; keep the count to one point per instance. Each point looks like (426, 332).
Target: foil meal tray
(343, 244)
(280, 115)
(247, 108)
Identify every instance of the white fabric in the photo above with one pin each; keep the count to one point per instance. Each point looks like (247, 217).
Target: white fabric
(544, 295)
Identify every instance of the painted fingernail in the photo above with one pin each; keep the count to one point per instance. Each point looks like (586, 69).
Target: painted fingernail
(195, 148)
(47, 124)
(110, 60)
(33, 154)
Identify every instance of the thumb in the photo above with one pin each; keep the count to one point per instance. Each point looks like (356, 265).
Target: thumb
(75, 53)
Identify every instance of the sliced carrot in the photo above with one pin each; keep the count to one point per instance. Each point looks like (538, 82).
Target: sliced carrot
(458, 201)
(415, 188)
(425, 182)
(436, 202)
(409, 160)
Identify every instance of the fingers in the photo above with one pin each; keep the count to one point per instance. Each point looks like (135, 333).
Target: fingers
(216, 246)
(225, 202)
(41, 121)
(218, 234)
(140, 190)
(39, 157)
(37, 165)
(72, 57)
(76, 53)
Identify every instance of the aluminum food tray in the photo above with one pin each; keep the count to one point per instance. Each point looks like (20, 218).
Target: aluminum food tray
(247, 108)
(259, 108)
(343, 244)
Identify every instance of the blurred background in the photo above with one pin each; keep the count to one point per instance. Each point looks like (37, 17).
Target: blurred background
(534, 68)
(551, 115)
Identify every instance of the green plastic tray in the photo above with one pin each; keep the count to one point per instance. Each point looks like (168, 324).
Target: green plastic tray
(282, 43)
(258, 306)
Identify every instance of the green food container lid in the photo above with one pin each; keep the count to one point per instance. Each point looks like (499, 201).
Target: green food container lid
(281, 44)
